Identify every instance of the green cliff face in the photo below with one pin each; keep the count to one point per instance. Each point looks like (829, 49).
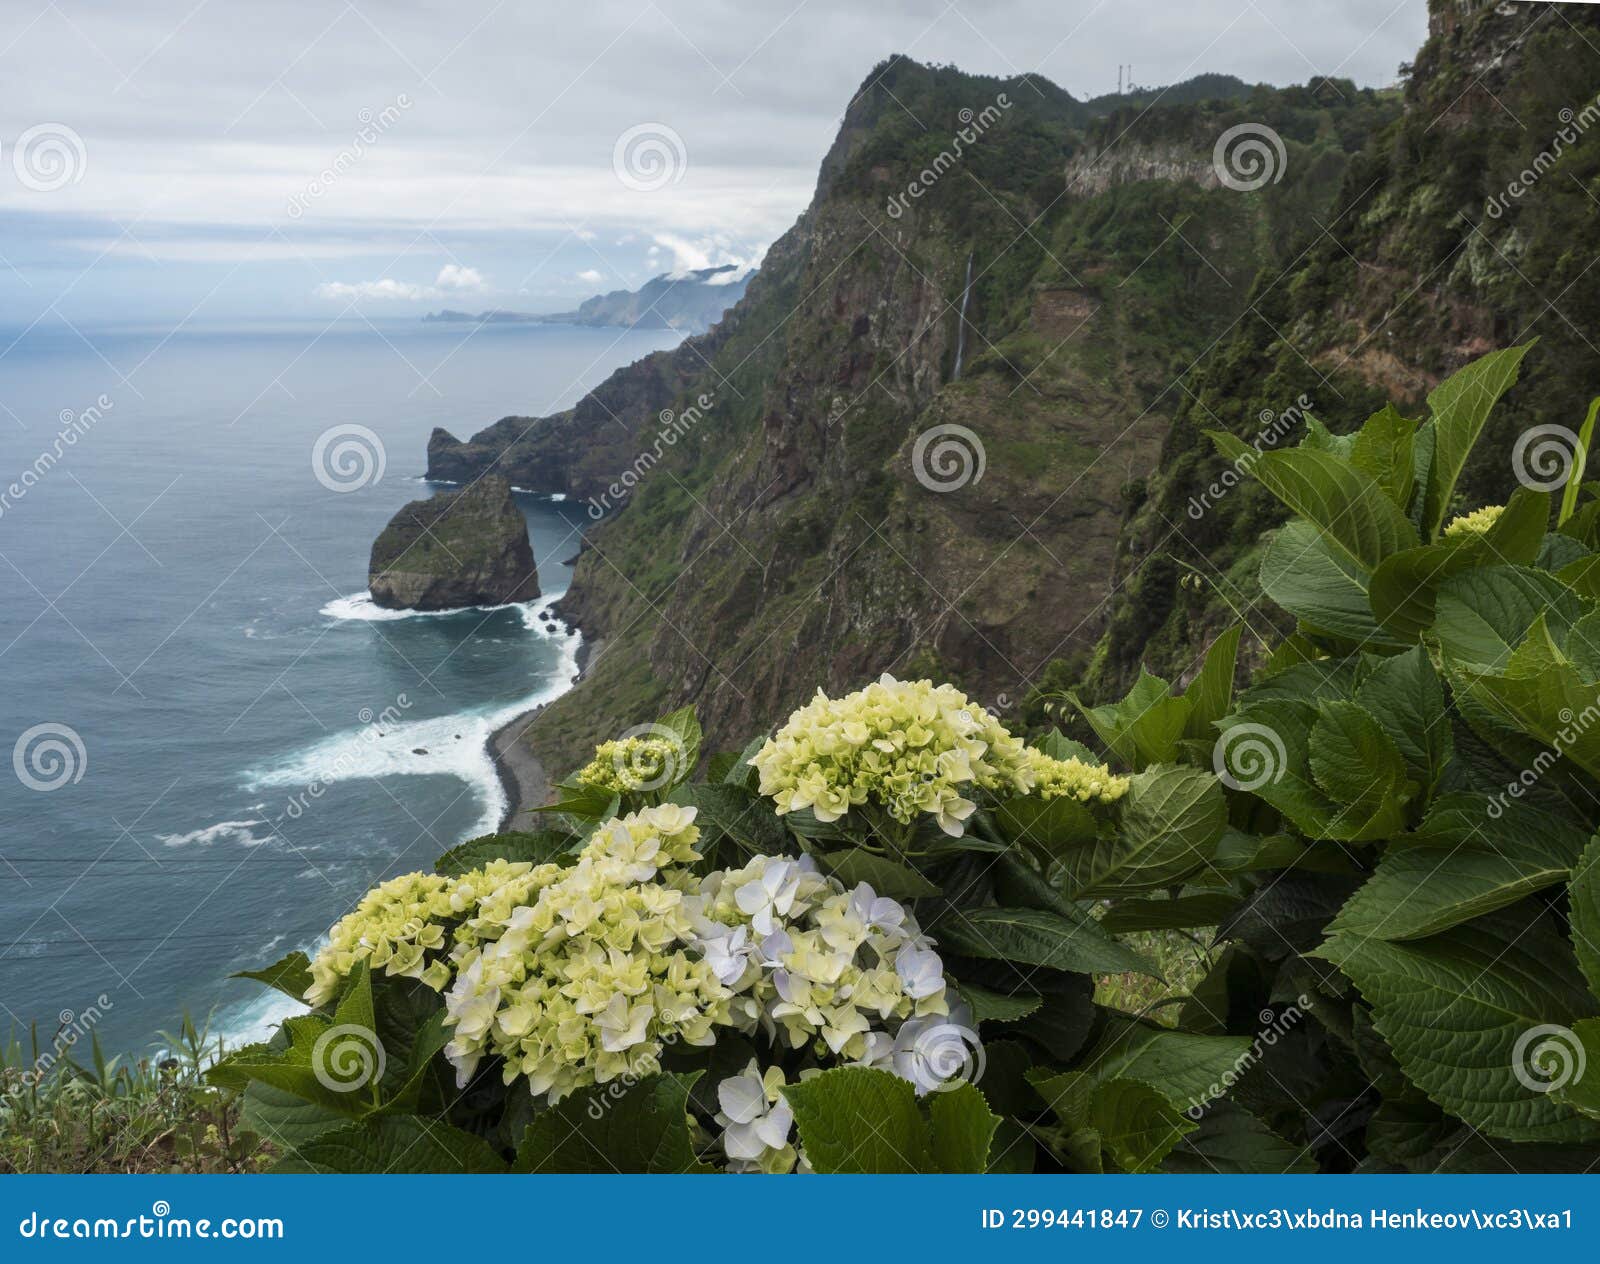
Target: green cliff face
(1437, 248)
(465, 548)
(785, 501)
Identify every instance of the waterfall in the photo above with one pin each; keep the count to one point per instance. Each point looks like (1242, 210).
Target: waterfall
(961, 331)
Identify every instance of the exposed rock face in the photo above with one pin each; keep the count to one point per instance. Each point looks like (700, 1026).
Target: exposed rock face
(465, 548)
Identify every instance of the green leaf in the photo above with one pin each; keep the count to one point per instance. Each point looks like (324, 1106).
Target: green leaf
(1383, 451)
(1569, 494)
(1171, 819)
(1453, 1008)
(1189, 1069)
(1460, 406)
(1324, 590)
(1542, 695)
(606, 1128)
(1190, 910)
(1038, 938)
(860, 1120)
(963, 1129)
(1135, 1124)
(1145, 726)
(394, 1145)
(533, 847)
(1057, 746)
(1232, 1141)
(1461, 863)
(1356, 764)
(739, 816)
(1483, 615)
(1404, 694)
(1053, 827)
(1265, 749)
(1570, 1063)
(684, 725)
(1404, 590)
(1346, 506)
(291, 975)
(1211, 692)
(997, 1007)
(1585, 920)
(584, 803)
(286, 1119)
(884, 876)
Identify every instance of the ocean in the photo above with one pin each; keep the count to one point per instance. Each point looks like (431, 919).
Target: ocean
(217, 743)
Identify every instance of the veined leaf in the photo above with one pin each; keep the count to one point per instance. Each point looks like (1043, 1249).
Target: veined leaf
(1383, 451)
(534, 846)
(1144, 727)
(1324, 590)
(1230, 1140)
(1189, 1069)
(1211, 691)
(884, 876)
(1454, 1007)
(394, 1144)
(1580, 462)
(1171, 820)
(860, 1120)
(291, 975)
(643, 1127)
(1035, 937)
(1134, 1122)
(1053, 826)
(1585, 919)
(998, 1007)
(1348, 507)
(1460, 405)
(1357, 765)
(1404, 694)
(1483, 615)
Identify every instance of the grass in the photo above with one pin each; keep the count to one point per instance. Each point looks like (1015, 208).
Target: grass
(152, 1115)
(1183, 957)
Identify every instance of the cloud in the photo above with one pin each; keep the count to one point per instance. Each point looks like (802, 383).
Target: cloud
(696, 254)
(591, 275)
(452, 279)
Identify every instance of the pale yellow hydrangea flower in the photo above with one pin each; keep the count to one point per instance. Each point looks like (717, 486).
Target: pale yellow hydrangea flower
(910, 746)
(1074, 779)
(590, 977)
(394, 926)
(1474, 523)
(629, 764)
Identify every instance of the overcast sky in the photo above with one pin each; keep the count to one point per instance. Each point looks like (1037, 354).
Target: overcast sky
(163, 159)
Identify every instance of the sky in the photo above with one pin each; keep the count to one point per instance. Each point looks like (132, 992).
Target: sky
(205, 161)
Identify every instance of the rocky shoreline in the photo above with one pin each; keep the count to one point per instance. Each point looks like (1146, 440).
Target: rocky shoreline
(527, 783)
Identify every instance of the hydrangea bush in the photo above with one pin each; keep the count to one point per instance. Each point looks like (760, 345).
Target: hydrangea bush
(871, 940)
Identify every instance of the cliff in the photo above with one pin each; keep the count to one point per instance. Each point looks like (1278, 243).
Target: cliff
(810, 493)
(464, 548)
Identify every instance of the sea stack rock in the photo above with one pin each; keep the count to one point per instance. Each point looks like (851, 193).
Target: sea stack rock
(465, 548)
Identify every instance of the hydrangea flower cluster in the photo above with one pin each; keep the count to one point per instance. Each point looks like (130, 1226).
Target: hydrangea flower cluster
(590, 978)
(630, 764)
(911, 746)
(394, 926)
(1474, 523)
(757, 1123)
(1072, 778)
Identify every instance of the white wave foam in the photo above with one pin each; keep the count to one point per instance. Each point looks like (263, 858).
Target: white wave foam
(223, 831)
(361, 606)
(455, 745)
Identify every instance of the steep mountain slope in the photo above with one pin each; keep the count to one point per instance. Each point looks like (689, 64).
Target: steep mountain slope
(988, 272)
(1470, 223)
